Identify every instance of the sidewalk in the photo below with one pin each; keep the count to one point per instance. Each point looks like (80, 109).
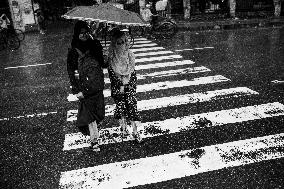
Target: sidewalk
(229, 23)
(66, 27)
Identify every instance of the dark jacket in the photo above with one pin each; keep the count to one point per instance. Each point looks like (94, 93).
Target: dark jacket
(72, 64)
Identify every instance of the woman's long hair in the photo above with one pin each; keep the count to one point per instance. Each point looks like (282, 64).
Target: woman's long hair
(115, 35)
(76, 42)
(119, 56)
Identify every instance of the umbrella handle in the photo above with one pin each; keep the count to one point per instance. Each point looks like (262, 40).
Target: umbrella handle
(106, 31)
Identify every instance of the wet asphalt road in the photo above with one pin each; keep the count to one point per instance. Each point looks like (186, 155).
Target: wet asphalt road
(31, 147)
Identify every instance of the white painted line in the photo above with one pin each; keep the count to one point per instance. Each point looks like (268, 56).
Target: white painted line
(139, 60)
(277, 81)
(153, 53)
(160, 65)
(163, 64)
(144, 45)
(182, 83)
(140, 39)
(27, 116)
(27, 66)
(135, 42)
(137, 45)
(168, 73)
(188, 98)
(142, 42)
(200, 69)
(153, 129)
(184, 50)
(147, 49)
(197, 48)
(142, 60)
(180, 164)
(178, 100)
(165, 85)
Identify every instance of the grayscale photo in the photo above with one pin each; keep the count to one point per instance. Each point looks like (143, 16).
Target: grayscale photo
(142, 94)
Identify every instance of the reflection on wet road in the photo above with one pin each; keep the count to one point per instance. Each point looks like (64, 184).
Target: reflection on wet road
(211, 104)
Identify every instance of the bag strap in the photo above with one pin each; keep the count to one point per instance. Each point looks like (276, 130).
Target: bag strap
(81, 55)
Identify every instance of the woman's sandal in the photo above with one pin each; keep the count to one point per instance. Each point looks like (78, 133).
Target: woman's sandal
(95, 146)
(137, 137)
(124, 132)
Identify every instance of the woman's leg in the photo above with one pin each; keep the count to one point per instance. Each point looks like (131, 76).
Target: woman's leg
(136, 134)
(94, 135)
(123, 125)
(133, 114)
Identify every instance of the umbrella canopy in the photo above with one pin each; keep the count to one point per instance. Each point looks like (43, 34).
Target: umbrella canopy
(105, 12)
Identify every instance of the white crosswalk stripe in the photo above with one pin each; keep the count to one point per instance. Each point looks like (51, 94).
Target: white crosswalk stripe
(174, 125)
(153, 53)
(178, 100)
(136, 45)
(159, 168)
(154, 65)
(170, 84)
(175, 165)
(158, 58)
(148, 49)
(136, 42)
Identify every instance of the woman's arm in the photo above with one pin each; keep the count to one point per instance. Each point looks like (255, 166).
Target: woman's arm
(116, 83)
(133, 80)
(72, 62)
(99, 54)
(133, 77)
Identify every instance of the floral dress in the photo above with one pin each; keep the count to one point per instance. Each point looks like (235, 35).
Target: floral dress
(126, 103)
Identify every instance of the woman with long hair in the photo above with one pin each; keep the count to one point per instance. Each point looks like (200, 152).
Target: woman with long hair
(123, 79)
(86, 57)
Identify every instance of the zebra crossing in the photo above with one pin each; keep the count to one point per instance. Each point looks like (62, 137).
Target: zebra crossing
(150, 170)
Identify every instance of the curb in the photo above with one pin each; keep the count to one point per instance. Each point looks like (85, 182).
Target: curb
(228, 24)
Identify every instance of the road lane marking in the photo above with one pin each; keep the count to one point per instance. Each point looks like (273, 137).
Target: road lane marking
(139, 45)
(27, 116)
(178, 100)
(32, 65)
(182, 83)
(164, 64)
(142, 42)
(175, 125)
(169, 84)
(142, 60)
(135, 40)
(200, 69)
(144, 45)
(147, 49)
(175, 165)
(164, 85)
(277, 81)
(153, 53)
(160, 65)
(197, 48)
(140, 39)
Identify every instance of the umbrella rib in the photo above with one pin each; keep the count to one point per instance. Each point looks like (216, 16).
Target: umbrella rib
(106, 13)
